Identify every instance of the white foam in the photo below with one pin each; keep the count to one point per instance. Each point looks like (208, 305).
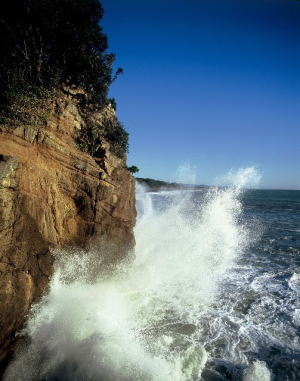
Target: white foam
(258, 371)
(294, 282)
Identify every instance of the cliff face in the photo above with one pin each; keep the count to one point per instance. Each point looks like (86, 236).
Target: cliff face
(53, 195)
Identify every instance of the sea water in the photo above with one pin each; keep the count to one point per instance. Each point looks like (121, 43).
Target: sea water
(210, 293)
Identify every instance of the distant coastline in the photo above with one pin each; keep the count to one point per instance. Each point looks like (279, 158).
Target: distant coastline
(153, 185)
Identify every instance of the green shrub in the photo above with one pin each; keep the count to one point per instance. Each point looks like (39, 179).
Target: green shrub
(118, 138)
(25, 106)
(92, 136)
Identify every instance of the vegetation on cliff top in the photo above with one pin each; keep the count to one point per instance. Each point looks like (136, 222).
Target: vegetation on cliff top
(47, 45)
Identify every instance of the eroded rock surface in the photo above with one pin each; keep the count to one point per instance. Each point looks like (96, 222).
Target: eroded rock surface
(53, 195)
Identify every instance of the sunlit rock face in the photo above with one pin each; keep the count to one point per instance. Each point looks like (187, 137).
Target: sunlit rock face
(54, 195)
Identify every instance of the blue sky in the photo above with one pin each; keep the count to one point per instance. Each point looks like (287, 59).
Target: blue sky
(213, 83)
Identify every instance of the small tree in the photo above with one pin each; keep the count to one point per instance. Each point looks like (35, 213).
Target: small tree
(133, 169)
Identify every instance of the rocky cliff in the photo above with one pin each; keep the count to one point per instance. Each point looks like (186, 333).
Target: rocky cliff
(54, 195)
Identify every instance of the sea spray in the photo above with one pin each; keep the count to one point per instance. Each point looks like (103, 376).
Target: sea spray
(142, 322)
(186, 174)
(247, 177)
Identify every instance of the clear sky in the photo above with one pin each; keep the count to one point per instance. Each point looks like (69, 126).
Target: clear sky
(213, 83)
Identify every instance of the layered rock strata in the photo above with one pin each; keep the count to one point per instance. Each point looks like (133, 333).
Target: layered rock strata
(53, 195)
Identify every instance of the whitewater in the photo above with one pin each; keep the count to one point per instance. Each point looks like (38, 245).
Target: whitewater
(167, 312)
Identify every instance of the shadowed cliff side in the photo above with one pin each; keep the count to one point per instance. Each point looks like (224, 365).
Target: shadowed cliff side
(54, 195)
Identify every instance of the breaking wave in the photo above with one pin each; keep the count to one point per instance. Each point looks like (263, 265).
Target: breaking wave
(141, 320)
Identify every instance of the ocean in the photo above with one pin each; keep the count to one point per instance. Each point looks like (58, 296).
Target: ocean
(211, 293)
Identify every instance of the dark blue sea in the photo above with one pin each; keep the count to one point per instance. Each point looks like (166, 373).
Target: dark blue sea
(260, 296)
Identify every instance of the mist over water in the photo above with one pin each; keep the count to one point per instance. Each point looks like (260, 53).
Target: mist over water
(151, 317)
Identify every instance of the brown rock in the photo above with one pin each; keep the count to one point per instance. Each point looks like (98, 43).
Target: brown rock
(53, 195)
